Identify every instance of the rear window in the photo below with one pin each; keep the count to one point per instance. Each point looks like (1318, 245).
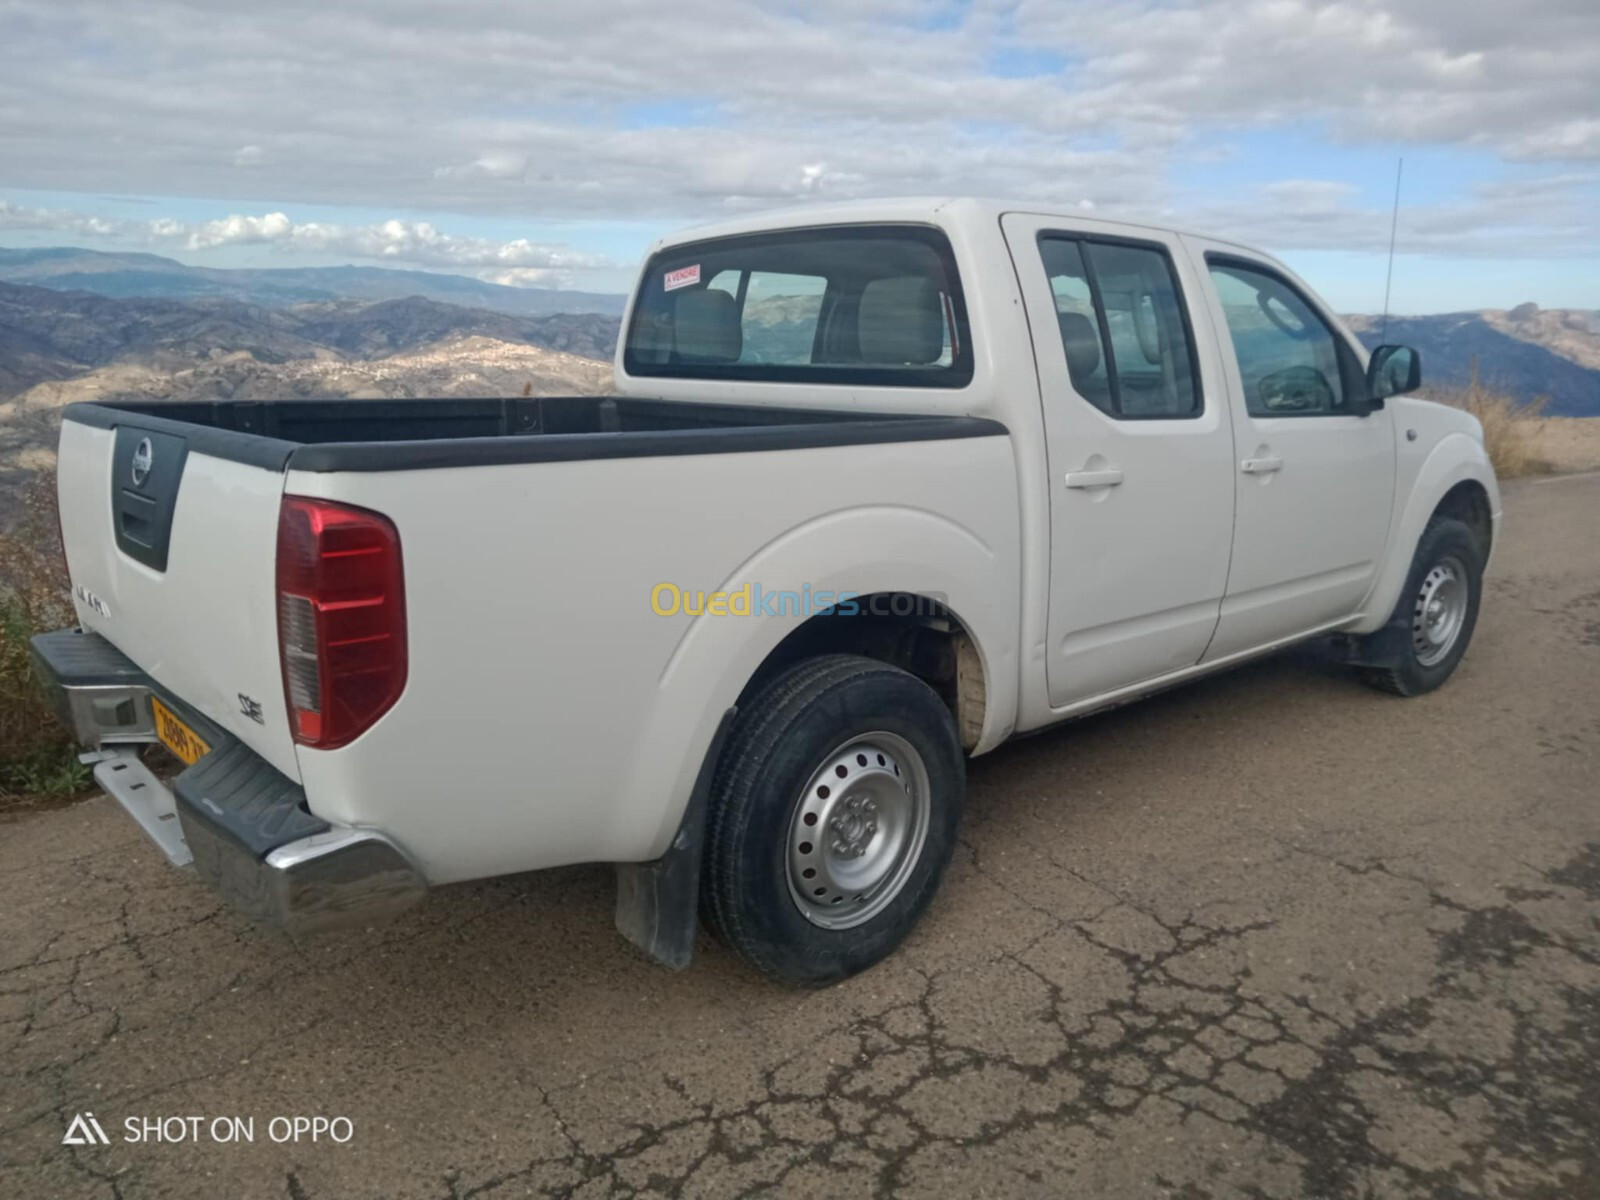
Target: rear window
(863, 305)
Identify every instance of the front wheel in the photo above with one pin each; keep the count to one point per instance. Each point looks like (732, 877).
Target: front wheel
(1433, 620)
(833, 817)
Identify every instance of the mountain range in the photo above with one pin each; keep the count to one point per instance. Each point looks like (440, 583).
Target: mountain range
(364, 313)
(67, 268)
(87, 326)
(1547, 355)
(58, 347)
(48, 335)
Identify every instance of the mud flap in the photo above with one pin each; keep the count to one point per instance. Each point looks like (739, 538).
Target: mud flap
(1379, 648)
(658, 902)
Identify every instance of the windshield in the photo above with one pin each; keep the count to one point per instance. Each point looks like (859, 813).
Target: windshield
(857, 305)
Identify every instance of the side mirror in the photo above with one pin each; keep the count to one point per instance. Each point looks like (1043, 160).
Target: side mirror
(1393, 371)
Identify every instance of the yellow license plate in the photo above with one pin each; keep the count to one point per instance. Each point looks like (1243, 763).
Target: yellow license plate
(176, 736)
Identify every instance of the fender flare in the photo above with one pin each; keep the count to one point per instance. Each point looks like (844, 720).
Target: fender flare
(902, 549)
(1458, 458)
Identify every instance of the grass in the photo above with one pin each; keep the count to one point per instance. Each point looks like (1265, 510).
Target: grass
(1510, 426)
(37, 755)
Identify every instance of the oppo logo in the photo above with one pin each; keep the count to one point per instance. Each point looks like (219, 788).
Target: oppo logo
(143, 458)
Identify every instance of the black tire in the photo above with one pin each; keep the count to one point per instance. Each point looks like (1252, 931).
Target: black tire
(780, 738)
(1392, 662)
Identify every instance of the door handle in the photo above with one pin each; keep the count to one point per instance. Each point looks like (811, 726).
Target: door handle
(1261, 466)
(1110, 477)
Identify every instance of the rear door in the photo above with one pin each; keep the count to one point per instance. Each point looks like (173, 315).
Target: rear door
(1140, 452)
(172, 553)
(1315, 468)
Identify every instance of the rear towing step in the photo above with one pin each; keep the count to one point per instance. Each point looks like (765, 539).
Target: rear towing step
(143, 796)
(243, 825)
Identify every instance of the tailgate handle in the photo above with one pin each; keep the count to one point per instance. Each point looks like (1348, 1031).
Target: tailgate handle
(137, 514)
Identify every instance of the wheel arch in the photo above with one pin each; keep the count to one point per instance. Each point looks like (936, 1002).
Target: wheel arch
(871, 551)
(968, 641)
(1468, 502)
(923, 637)
(1456, 479)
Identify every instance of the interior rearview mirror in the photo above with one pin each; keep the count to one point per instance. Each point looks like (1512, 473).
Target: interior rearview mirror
(1393, 371)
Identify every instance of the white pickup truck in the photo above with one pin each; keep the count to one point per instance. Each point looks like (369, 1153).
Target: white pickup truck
(881, 486)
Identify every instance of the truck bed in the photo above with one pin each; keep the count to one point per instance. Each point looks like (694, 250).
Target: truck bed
(171, 516)
(417, 434)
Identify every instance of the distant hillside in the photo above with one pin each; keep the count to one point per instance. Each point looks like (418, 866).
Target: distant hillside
(1527, 352)
(59, 347)
(48, 335)
(456, 366)
(66, 268)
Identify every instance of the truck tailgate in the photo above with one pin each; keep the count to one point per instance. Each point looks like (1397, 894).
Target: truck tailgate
(172, 556)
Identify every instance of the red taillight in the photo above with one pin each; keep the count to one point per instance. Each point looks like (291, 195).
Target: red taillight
(341, 619)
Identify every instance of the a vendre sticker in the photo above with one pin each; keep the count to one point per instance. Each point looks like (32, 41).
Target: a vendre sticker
(682, 277)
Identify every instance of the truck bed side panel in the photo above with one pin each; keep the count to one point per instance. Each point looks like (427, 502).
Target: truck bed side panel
(541, 724)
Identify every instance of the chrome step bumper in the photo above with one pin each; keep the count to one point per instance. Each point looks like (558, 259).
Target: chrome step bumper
(242, 825)
(327, 881)
(98, 691)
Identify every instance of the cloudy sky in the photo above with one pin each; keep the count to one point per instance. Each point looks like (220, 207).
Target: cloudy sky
(546, 144)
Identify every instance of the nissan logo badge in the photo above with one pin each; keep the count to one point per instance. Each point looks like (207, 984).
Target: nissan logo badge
(143, 456)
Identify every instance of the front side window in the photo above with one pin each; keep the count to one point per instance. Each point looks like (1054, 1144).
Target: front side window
(1121, 321)
(1291, 363)
(858, 305)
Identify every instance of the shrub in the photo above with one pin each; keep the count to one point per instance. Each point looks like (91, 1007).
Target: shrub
(1510, 426)
(36, 752)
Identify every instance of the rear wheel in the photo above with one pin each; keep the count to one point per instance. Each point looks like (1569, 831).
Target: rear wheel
(1433, 620)
(833, 817)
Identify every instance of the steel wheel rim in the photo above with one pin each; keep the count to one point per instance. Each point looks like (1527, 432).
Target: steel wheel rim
(1439, 611)
(857, 830)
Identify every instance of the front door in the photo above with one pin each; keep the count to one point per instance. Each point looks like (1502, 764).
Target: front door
(1140, 453)
(1316, 466)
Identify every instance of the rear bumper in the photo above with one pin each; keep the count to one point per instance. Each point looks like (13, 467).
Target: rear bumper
(243, 826)
(325, 881)
(98, 692)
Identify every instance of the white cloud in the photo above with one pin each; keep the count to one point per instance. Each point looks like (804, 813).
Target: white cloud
(626, 109)
(1569, 139)
(274, 227)
(1548, 216)
(400, 243)
(55, 220)
(497, 164)
(527, 277)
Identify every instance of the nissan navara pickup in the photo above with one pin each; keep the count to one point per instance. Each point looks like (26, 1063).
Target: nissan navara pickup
(879, 488)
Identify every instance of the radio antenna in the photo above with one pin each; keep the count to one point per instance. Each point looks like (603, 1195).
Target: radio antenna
(1394, 221)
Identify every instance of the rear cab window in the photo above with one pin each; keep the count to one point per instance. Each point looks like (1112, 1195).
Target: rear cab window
(1123, 327)
(861, 305)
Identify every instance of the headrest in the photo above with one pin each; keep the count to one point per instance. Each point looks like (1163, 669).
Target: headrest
(705, 327)
(901, 321)
(1144, 324)
(1082, 342)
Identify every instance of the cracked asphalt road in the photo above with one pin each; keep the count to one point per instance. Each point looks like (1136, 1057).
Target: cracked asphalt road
(1272, 935)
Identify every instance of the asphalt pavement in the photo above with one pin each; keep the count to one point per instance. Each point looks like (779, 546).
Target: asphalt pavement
(1273, 934)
